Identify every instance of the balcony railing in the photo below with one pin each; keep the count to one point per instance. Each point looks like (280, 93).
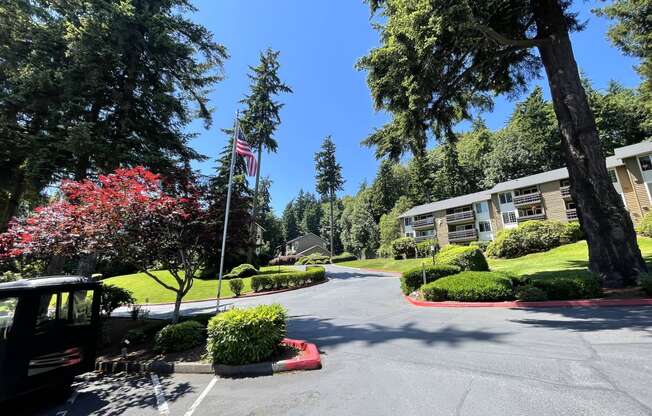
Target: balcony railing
(565, 191)
(522, 218)
(571, 214)
(421, 238)
(527, 199)
(423, 222)
(464, 235)
(459, 217)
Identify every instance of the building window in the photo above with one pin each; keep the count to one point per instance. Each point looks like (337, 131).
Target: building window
(646, 163)
(408, 220)
(484, 226)
(564, 182)
(530, 211)
(570, 205)
(527, 191)
(612, 176)
(505, 198)
(509, 217)
(478, 207)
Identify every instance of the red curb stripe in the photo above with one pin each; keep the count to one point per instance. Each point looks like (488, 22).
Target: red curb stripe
(308, 360)
(541, 304)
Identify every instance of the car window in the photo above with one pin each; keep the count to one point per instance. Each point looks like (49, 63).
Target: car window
(82, 307)
(53, 308)
(7, 312)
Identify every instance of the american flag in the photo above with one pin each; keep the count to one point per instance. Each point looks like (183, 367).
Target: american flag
(244, 149)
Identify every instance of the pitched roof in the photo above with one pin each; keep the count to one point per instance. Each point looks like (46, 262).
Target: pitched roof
(447, 203)
(303, 236)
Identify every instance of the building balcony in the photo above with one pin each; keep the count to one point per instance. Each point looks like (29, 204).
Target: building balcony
(424, 223)
(523, 218)
(565, 192)
(462, 236)
(460, 217)
(421, 238)
(571, 214)
(527, 199)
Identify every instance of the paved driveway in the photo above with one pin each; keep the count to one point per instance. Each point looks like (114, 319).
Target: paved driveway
(382, 356)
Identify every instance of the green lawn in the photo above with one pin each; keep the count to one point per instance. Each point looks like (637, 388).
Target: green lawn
(567, 257)
(146, 290)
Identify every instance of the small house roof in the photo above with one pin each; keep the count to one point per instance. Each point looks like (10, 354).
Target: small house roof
(304, 236)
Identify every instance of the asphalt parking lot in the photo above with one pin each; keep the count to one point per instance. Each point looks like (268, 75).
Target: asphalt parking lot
(383, 356)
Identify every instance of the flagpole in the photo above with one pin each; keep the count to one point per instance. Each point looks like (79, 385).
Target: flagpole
(226, 213)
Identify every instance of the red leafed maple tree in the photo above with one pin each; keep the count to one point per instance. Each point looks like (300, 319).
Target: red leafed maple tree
(126, 214)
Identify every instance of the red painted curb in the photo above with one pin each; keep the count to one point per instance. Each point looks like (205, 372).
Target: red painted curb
(541, 304)
(308, 359)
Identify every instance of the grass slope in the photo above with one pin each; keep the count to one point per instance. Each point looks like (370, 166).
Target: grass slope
(146, 290)
(567, 257)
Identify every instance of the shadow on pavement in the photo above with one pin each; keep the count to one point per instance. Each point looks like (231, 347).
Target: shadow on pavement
(593, 319)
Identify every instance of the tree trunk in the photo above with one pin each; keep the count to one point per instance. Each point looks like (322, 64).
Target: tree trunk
(55, 265)
(177, 306)
(613, 250)
(11, 206)
(332, 231)
(86, 265)
(254, 210)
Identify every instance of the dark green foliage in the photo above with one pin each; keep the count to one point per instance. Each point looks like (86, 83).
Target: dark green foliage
(646, 283)
(314, 258)
(645, 226)
(246, 336)
(404, 247)
(465, 257)
(137, 336)
(572, 284)
(236, 286)
(343, 257)
(530, 293)
(474, 287)
(329, 180)
(284, 260)
(266, 282)
(114, 297)
(432, 293)
(242, 271)
(412, 280)
(179, 337)
(532, 237)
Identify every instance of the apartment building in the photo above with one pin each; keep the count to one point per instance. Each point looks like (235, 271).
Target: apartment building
(479, 216)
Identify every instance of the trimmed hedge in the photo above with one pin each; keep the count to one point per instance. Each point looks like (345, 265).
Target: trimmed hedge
(241, 271)
(343, 257)
(179, 337)
(412, 280)
(530, 293)
(284, 260)
(314, 258)
(465, 257)
(533, 237)
(265, 282)
(470, 286)
(423, 248)
(565, 285)
(236, 286)
(246, 336)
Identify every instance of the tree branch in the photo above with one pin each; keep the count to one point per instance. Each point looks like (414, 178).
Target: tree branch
(504, 41)
(159, 281)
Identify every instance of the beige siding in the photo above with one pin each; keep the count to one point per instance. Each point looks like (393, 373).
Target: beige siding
(633, 205)
(638, 194)
(494, 210)
(442, 228)
(552, 201)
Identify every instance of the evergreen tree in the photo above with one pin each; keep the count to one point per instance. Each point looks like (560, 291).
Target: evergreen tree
(261, 116)
(289, 222)
(388, 186)
(329, 181)
(364, 234)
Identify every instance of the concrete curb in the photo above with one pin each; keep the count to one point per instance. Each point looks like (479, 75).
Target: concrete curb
(308, 359)
(586, 303)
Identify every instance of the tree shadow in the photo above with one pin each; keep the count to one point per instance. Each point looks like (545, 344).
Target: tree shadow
(637, 318)
(326, 333)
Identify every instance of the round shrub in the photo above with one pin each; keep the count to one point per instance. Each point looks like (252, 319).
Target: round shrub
(412, 280)
(179, 337)
(404, 247)
(465, 257)
(532, 237)
(573, 284)
(245, 336)
(572, 233)
(475, 286)
(236, 286)
(283, 260)
(424, 248)
(113, 297)
(530, 293)
(343, 257)
(243, 270)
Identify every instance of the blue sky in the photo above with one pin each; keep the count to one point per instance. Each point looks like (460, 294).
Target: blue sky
(320, 43)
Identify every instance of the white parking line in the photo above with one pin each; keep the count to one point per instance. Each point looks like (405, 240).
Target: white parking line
(73, 397)
(160, 397)
(201, 397)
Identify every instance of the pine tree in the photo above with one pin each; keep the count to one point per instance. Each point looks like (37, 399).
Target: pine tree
(329, 179)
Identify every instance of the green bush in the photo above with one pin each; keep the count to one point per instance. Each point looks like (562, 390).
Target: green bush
(404, 247)
(314, 258)
(572, 284)
(423, 248)
(646, 283)
(179, 337)
(412, 280)
(236, 286)
(265, 282)
(472, 286)
(241, 271)
(530, 293)
(343, 257)
(645, 226)
(482, 245)
(465, 257)
(433, 293)
(284, 260)
(136, 336)
(113, 297)
(245, 336)
(533, 237)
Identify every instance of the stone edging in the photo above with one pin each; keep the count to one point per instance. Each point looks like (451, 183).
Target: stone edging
(541, 304)
(308, 360)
